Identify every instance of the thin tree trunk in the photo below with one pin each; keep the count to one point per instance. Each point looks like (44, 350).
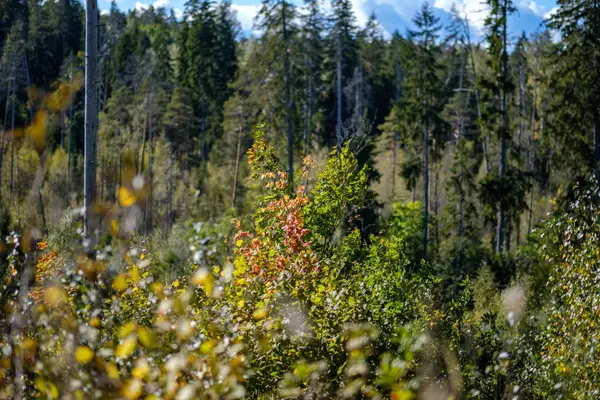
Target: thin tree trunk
(237, 164)
(395, 162)
(504, 132)
(203, 131)
(426, 180)
(150, 183)
(596, 144)
(12, 137)
(69, 155)
(308, 107)
(5, 120)
(396, 132)
(288, 97)
(477, 94)
(532, 143)
(170, 216)
(141, 164)
(90, 114)
(339, 92)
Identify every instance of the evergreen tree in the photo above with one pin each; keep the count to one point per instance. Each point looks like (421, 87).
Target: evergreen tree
(425, 82)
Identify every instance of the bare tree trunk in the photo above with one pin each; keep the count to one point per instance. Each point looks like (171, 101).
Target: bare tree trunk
(288, 97)
(237, 164)
(396, 133)
(340, 138)
(69, 154)
(150, 171)
(426, 180)
(91, 112)
(141, 164)
(8, 89)
(307, 106)
(203, 131)
(170, 216)
(12, 137)
(467, 31)
(504, 131)
(596, 144)
(532, 143)
(395, 162)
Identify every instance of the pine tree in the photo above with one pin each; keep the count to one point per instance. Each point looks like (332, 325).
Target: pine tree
(276, 18)
(497, 36)
(579, 61)
(343, 51)
(426, 82)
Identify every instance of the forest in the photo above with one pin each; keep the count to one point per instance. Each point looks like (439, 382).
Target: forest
(317, 209)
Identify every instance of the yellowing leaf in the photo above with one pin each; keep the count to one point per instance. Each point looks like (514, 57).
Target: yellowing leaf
(48, 389)
(120, 283)
(207, 346)
(141, 369)
(127, 329)
(84, 355)
(54, 296)
(126, 348)
(147, 337)
(126, 197)
(112, 371)
(114, 227)
(36, 132)
(132, 389)
(204, 278)
(261, 313)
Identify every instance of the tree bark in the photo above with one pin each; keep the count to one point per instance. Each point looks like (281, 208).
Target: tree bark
(288, 97)
(503, 132)
(90, 115)
(426, 180)
(237, 164)
(339, 91)
(150, 182)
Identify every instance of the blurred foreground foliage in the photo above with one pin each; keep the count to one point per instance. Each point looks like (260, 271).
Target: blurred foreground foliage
(297, 302)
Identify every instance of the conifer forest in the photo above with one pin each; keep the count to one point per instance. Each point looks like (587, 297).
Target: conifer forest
(312, 206)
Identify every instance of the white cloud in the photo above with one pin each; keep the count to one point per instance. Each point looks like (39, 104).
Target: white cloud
(474, 10)
(537, 9)
(104, 12)
(551, 12)
(245, 14)
(161, 3)
(178, 12)
(139, 6)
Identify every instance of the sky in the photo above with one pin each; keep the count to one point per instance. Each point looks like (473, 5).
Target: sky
(392, 14)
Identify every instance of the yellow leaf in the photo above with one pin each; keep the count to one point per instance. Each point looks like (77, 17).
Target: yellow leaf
(141, 369)
(37, 130)
(126, 197)
(126, 348)
(54, 296)
(147, 337)
(207, 346)
(84, 355)
(112, 371)
(204, 278)
(132, 389)
(261, 313)
(120, 283)
(114, 227)
(127, 329)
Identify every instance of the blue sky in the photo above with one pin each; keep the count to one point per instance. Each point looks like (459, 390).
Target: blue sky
(393, 14)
